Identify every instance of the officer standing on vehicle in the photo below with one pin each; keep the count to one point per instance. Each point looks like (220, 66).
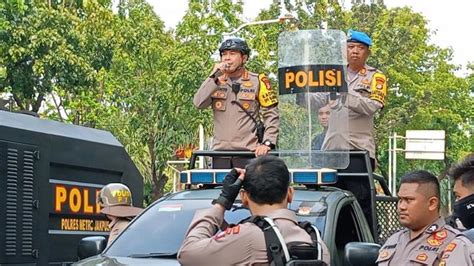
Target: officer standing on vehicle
(243, 103)
(115, 199)
(426, 234)
(245, 243)
(366, 95)
(461, 250)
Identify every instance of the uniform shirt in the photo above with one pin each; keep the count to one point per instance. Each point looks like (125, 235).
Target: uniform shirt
(116, 226)
(425, 249)
(319, 140)
(232, 126)
(243, 244)
(459, 252)
(358, 109)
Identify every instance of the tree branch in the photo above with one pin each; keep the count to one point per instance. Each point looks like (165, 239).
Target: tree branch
(57, 107)
(36, 106)
(18, 102)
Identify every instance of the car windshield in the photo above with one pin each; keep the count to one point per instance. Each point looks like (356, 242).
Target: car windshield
(162, 227)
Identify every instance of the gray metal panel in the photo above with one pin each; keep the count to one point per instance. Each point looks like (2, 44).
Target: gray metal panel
(34, 124)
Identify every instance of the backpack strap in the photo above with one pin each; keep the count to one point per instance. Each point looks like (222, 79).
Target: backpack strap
(315, 236)
(277, 251)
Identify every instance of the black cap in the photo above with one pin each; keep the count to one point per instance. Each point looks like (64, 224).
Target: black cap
(235, 44)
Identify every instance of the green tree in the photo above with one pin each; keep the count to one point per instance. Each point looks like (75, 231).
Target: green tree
(41, 50)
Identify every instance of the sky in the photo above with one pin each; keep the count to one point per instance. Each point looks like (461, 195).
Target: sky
(449, 21)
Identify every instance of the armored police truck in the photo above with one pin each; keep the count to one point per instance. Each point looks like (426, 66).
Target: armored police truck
(50, 174)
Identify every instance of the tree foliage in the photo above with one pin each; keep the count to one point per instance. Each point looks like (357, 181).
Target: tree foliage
(117, 68)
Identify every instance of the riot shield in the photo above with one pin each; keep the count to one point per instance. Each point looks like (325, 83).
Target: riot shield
(312, 74)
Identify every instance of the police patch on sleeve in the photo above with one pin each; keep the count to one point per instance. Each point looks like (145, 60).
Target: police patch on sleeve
(378, 90)
(266, 96)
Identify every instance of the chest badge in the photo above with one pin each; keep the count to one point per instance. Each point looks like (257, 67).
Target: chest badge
(434, 242)
(248, 84)
(422, 257)
(441, 235)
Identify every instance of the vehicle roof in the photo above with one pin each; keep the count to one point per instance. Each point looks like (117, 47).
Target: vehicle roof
(45, 126)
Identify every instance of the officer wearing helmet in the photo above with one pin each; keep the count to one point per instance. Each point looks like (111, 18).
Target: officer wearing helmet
(115, 200)
(243, 103)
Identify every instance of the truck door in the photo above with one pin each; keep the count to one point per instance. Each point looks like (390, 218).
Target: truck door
(350, 227)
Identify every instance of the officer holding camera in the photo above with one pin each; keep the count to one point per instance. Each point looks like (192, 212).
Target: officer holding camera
(245, 243)
(243, 103)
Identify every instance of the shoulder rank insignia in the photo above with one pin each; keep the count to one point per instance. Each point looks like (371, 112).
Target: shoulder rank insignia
(266, 96)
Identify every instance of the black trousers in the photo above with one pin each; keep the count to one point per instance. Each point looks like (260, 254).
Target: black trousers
(358, 185)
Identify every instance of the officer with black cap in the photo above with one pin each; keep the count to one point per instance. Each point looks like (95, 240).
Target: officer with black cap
(243, 103)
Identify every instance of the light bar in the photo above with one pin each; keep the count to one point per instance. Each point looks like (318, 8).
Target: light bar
(323, 176)
(203, 176)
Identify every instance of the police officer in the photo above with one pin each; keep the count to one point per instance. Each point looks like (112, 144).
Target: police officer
(323, 117)
(115, 199)
(426, 234)
(245, 243)
(240, 100)
(366, 95)
(461, 250)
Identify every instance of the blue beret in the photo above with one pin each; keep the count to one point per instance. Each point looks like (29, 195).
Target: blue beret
(359, 36)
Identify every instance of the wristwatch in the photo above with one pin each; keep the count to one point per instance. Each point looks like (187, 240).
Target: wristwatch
(269, 144)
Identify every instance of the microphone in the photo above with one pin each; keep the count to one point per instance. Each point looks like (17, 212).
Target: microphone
(219, 72)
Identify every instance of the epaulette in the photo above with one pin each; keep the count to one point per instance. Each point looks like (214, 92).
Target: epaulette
(452, 229)
(253, 74)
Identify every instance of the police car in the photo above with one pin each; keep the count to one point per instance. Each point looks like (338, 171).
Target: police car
(155, 236)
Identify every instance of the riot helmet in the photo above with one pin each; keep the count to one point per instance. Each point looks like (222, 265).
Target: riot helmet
(116, 199)
(235, 44)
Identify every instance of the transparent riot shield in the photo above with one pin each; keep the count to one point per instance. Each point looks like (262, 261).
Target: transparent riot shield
(312, 75)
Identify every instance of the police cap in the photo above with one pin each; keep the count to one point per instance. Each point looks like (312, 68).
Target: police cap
(359, 37)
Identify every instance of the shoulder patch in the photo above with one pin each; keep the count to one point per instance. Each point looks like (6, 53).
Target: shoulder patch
(266, 95)
(378, 90)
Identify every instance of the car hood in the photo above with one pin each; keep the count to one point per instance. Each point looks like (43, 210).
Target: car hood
(106, 260)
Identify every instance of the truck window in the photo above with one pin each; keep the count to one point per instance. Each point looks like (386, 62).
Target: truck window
(347, 229)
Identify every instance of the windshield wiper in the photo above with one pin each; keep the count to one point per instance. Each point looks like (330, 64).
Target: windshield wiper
(154, 255)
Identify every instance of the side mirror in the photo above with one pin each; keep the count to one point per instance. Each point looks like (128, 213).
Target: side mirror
(361, 253)
(91, 246)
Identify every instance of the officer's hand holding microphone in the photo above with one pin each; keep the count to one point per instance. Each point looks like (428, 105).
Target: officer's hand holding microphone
(219, 73)
(231, 186)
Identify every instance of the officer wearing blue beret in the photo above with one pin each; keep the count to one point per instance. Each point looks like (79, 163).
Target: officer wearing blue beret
(366, 95)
